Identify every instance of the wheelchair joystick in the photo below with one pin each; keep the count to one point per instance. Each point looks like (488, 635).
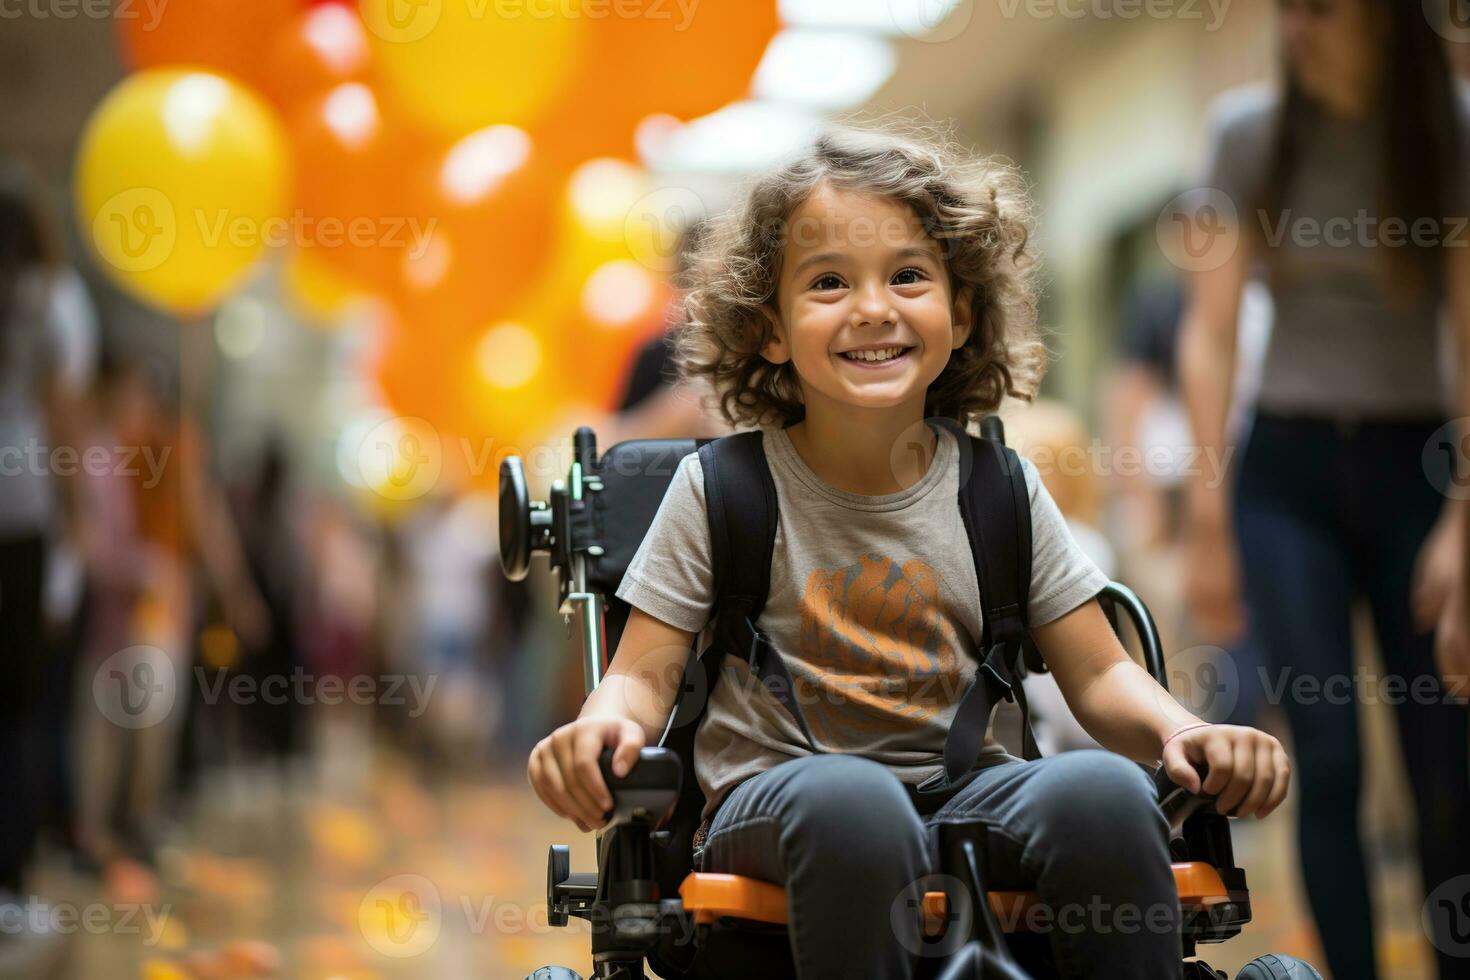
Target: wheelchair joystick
(584, 448)
(558, 872)
(1178, 803)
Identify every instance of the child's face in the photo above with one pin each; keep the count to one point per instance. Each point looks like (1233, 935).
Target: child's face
(866, 315)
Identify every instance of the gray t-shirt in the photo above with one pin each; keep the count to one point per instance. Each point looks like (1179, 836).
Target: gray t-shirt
(1338, 346)
(874, 607)
(51, 335)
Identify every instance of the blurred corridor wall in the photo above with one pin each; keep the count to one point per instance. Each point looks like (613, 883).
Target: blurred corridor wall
(1106, 113)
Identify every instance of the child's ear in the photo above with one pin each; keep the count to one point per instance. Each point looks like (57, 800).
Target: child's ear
(964, 315)
(776, 350)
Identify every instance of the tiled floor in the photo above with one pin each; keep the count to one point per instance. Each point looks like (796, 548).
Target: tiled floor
(363, 872)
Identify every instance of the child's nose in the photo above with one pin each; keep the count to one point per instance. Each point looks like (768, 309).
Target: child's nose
(874, 308)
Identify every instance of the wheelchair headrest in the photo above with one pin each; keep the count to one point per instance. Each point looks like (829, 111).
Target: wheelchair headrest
(633, 478)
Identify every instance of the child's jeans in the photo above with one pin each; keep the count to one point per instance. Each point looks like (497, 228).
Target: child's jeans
(847, 839)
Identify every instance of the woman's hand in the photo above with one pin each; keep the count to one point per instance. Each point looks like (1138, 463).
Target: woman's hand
(1441, 599)
(247, 614)
(1452, 640)
(564, 767)
(1212, 581)
(1437, 571)
(1249, 770)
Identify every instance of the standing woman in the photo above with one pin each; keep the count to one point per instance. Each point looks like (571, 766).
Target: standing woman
(40, 340)
(1331, 499)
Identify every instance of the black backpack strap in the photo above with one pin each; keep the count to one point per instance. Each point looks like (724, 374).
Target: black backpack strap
(996, 508)
(740, 498)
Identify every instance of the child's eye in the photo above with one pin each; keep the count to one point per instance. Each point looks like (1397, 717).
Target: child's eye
(825, 278)
(917, 272)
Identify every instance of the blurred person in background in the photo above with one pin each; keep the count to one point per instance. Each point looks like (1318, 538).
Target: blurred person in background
(182, 526)
(343, 595)
(1452, 638)
(656, 406)
(1143, 408)
(73, 320)
(391, 637)
(47, 340)
(448, 546)
(1331, 498)
(266, 516)
(116, 580)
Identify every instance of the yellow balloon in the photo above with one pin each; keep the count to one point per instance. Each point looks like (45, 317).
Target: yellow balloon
(316, 291)
(181, 182)
(461, 65)
(161, 969)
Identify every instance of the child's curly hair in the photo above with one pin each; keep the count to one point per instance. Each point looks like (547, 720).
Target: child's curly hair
(976, 209)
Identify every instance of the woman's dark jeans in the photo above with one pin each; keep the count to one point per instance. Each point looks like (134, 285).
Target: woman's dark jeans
(23, 727)
(855, 848)
(1326, 511)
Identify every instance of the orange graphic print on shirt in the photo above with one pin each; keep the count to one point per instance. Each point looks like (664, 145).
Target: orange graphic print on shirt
(876, 649)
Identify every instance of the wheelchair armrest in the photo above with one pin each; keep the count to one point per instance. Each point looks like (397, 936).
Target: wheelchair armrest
(649, 790)
(1178, 803)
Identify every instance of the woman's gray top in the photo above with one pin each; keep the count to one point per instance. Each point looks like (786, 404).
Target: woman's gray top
(51, 334)
(1339, 348)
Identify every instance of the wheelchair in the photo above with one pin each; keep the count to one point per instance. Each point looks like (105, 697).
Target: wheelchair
(646, 903)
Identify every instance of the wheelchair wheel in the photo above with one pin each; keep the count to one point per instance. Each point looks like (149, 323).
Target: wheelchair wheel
(1277, 966)
(554, 973)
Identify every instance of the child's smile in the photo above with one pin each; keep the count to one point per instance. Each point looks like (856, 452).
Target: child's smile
(876, 357)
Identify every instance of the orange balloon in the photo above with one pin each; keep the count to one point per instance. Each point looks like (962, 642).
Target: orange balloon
(518, 380)
(221, 35)
(621, 306)
(597, 123)
(413, 368)
(481, 391)
(656, 59)
(489, 206)
(353, 218)
(318, 50)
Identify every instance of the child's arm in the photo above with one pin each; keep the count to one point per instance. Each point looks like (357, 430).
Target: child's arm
(626, 711)
(1127, 711)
